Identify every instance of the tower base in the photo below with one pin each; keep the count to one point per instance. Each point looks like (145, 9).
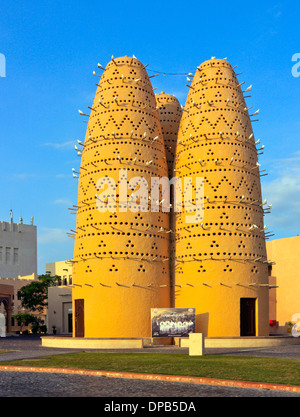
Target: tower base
(69, 342)
(243, 342)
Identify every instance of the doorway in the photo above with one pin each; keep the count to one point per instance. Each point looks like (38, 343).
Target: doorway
(79, 318)
(247, 316)
(70, 327)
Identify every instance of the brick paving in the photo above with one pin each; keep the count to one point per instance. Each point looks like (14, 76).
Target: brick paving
(31, 384)
(42, 384)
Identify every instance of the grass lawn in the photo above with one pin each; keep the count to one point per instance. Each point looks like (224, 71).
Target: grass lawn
(271, 370)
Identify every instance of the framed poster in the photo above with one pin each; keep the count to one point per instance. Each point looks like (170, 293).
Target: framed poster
(172, 322)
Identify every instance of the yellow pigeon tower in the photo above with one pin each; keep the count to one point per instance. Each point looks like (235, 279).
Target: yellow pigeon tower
(170, 114)
(121, 255)
(220, 262)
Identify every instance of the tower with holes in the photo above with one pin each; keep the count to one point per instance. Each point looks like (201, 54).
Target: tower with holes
(170, 115)
(220, 262)
(121, 255)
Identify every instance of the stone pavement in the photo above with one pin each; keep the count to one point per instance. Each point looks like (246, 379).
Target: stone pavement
(31, 384)
(25, 347)
(16, 384)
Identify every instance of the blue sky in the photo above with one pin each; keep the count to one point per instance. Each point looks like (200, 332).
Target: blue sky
(51, 49)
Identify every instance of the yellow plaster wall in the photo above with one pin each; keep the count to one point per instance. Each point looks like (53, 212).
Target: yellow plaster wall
(170, 114)
(284, 254)
(221, 259)
(86, 343)
(120, 265)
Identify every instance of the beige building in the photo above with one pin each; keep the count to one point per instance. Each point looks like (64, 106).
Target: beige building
(18, 266)
(59, 311)
(62, 269)
(10, 302)
(285, 276)
(18, 249)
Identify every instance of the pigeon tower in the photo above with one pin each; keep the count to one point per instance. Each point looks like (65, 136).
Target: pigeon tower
(120, 263)
(221, 266)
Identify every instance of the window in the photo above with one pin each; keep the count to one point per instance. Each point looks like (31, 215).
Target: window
(16, 256)
(7, 256)
(1, 251)
(70, 279)
(65, 280)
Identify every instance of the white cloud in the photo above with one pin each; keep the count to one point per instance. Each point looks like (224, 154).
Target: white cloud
(275, 11)
(63, 175)
(63, 145)
(23, 176)
(283, 192)
(52, 235)
(63, 201)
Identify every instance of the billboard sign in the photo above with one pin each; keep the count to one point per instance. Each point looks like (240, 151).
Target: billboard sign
(172, 322)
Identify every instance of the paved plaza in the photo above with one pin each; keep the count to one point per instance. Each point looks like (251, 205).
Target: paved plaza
(31, 384)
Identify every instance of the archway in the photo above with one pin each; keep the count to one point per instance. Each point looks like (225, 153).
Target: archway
(6, 300)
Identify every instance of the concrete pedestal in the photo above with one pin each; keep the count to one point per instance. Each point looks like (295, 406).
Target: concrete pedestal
(196, 344)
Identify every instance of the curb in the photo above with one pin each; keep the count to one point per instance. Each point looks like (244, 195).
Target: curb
(154, 377)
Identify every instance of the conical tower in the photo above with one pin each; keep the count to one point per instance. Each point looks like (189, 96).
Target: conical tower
(170, 114)
(221, 264)
(120, 265)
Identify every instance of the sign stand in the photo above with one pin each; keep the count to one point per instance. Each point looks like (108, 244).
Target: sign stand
(196, 344)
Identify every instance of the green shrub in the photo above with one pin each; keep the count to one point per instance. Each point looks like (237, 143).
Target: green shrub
(43, 329)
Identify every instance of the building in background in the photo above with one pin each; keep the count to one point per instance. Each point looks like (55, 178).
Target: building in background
(6, 304)
(62, 269)
(10, 301)
(284, 275)
(18, 249)
(18, 266)
(59, 310)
